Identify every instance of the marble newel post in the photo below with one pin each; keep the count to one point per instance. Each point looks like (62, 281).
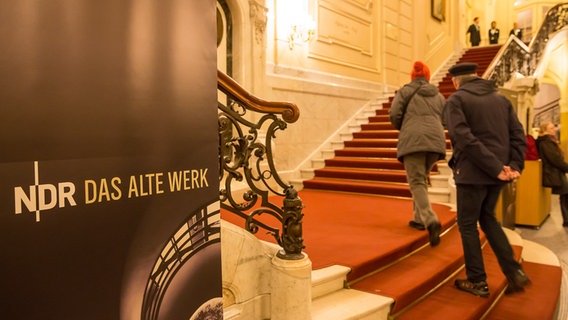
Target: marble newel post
(291, 294)
(521, 92)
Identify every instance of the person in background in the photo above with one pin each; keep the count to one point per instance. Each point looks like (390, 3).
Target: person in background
(417, 112)
(488, 144)
(493, 33)
(554, 167)
(516, 31)
(474, 33)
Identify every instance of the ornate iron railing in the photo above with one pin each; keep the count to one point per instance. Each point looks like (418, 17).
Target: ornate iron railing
(244, 156)
(515, 56)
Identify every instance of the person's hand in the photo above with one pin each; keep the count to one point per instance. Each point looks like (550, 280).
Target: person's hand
(514, 174)
(503, 175)
(508, 174)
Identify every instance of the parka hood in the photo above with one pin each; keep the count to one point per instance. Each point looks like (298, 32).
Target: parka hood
(478, 86)
(427, 89)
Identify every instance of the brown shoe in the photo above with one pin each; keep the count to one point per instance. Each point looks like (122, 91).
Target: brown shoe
(434, 230)
(517, 282)
(476, 288)
(416, 225)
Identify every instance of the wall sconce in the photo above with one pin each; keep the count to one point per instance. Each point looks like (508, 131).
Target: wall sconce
(300, 32)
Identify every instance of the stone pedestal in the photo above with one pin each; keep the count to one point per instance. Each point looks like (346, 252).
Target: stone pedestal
(291, 292)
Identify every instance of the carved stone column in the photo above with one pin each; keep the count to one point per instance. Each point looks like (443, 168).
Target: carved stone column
(258, 20)
(521, 92)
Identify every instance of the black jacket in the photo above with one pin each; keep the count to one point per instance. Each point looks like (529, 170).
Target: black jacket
(553, 165)
(474, 35)
(517, 33)
(485, 133)
(493, 36)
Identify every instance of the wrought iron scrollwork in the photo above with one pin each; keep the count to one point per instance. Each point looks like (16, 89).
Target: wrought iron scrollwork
(515, 56)
(246, 163)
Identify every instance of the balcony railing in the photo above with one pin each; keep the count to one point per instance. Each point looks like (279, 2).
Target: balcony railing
(246, 157)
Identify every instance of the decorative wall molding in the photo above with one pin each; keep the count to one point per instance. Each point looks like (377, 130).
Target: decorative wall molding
(346, 35)
(304, 81)
(363, 4)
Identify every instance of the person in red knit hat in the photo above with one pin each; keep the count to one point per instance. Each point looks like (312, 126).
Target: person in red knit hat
(416, 112)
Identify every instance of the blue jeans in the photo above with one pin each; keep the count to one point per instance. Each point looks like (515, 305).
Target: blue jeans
(477, 203)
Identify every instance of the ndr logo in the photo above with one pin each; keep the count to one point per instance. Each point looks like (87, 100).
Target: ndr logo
(43, 196)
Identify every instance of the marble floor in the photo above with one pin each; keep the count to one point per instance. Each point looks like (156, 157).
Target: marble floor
(551, 234)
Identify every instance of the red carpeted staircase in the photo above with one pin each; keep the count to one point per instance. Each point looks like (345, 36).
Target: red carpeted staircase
(367, 163)
(480, 55)
(361, 247)
(380, 256)
(420, 281)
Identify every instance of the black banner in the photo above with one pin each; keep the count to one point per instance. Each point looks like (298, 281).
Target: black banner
(108, 160)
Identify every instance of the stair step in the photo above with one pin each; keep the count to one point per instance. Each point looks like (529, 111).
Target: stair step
(442, 302)
(364, 163)
(328, 280)
(367, 187)
(413, 277)
(377, 143)
(376, 134)
(379, 118)
(350, 304)
(377, 126)
(307, 173)
(367, 152)
(522, 306)
(439, 180)
(362, 174)
(441, 195)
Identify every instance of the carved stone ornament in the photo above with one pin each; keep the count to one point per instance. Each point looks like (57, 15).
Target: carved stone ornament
(258, 19)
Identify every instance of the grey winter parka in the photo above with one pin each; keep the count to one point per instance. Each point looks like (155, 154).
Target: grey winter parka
(422, 128)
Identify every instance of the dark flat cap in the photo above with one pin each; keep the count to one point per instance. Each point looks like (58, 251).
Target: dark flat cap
(463, 68)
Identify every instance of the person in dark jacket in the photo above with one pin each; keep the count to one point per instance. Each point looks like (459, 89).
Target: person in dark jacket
(474, 33)
(516, 31)
(488, 144)
(493, 33)
(554, 167)
(421, 142)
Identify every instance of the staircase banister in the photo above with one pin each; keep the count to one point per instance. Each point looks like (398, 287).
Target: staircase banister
(496, 60)
(542, 30)
(289, 111)
(245, 156)
(516, 56)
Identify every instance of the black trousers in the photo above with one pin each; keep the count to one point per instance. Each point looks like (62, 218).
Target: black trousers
(476, 203)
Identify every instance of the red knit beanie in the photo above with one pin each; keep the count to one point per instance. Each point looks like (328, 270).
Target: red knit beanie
(420, 70)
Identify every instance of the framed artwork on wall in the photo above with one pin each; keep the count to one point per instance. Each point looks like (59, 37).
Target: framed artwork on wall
(439, 10)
